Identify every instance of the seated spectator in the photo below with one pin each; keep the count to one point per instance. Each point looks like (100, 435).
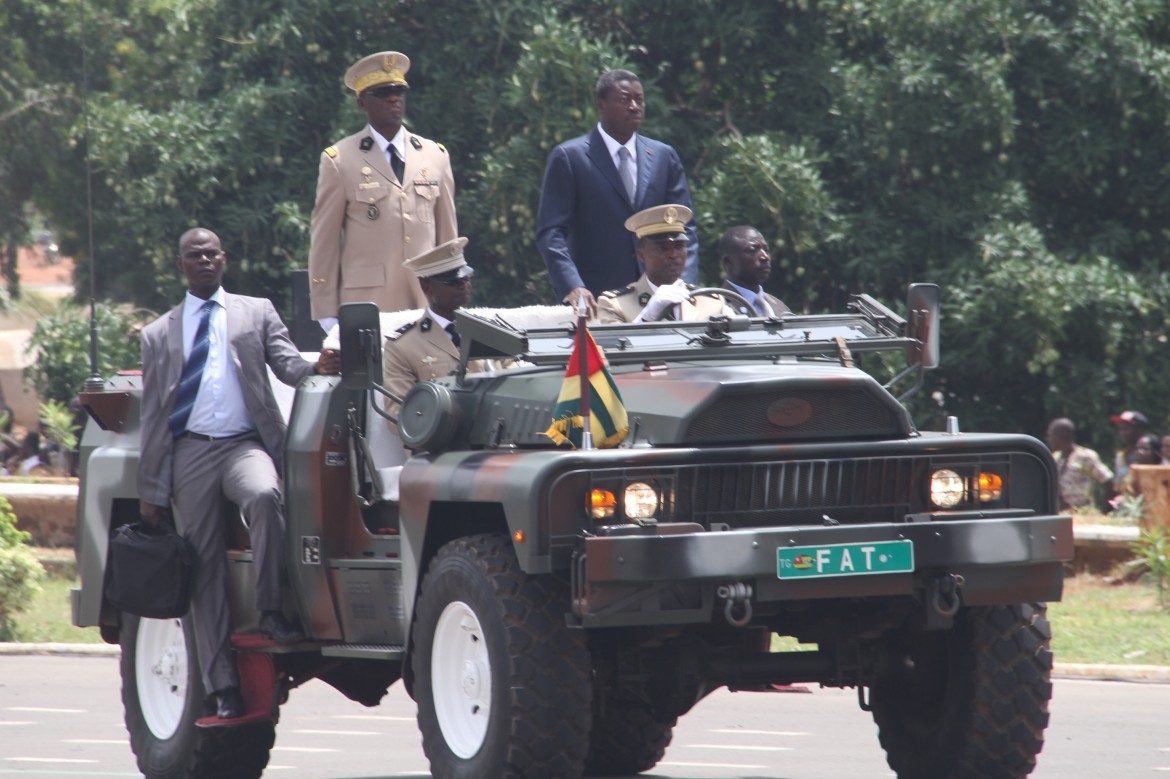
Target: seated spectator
(660, 293)
(1078, 466)
(743, 253)
(1131, 425)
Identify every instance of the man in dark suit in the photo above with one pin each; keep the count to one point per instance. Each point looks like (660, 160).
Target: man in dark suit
(743, 253)
(593, 184)
(212, 433)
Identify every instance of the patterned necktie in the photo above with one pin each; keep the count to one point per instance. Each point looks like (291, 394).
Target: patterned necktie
(396, 162)
(626, 173)
(455, 339)
(192, 371)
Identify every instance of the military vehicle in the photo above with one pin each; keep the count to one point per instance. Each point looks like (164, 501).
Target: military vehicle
(554, 611)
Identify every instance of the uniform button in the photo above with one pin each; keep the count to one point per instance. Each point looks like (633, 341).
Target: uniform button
(402, 194)
(406, 217)
(408, 239)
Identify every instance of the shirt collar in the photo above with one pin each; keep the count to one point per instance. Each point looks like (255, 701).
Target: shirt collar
(750, 294)
(399, 140)
(442, 322)
(612, 145)
(192, 304)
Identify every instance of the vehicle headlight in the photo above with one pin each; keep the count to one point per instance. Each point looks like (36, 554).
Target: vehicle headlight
(947, 489)
(640, 501)
(990, 487)
(602, 504)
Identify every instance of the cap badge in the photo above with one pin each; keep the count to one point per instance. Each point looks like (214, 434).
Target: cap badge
(670, 215)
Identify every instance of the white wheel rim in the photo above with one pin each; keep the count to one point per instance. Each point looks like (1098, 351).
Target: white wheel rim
(461, 680)
(160, 674)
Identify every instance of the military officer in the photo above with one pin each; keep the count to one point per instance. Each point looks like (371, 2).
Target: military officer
(428, 347)
(743, 253)
(660, 293)
(383, 194)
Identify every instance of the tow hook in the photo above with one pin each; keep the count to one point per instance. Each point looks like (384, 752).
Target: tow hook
(943, 599)
(738, 598)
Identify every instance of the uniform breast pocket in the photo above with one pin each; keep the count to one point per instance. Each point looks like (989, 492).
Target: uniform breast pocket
(370, 204)
(425, 196)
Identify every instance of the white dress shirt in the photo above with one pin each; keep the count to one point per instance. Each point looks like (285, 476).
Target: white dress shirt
(219, 408)
(612, 146)
(398, 142)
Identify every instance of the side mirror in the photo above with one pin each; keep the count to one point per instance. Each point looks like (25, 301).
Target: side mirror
(361, 345)
(923, 307)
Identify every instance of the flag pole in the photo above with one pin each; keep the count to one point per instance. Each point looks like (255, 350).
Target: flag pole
(583, 371)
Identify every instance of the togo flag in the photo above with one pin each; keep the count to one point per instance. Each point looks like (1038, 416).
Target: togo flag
(607, 415)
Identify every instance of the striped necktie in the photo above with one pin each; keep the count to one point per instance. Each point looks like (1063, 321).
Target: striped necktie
(192, 372)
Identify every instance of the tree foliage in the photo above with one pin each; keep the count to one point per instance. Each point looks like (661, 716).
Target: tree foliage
(1013, 151)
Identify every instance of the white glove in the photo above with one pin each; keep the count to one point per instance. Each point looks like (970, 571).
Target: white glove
(665, 296)
(327, 323)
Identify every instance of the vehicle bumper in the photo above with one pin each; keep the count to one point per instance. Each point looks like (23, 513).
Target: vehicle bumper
(632, 579)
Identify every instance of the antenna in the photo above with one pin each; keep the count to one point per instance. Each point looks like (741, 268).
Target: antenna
(95, 382)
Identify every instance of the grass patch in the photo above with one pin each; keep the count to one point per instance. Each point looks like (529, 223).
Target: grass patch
(1099, 622)
(49, 618)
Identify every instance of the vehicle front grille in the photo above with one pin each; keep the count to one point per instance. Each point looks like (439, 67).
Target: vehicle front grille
(837, 412)
(801, 492)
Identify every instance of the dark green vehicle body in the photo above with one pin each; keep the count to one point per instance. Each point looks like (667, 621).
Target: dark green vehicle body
(790, 487)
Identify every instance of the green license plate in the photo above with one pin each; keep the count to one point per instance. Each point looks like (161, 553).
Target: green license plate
(807, 562)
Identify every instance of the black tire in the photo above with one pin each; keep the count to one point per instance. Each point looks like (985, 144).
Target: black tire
(970, 702)
(626, 738)
(502, 684)
(162, 693)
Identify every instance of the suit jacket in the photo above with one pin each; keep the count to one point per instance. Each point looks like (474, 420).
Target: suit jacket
(366, 223)
(580, 228)
(624, 305)
(257, 338)
(778, 307)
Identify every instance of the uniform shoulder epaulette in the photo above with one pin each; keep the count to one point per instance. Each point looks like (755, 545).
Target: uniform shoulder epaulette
(331, 151)
(402, 331)
(442, 148)
(617, 293)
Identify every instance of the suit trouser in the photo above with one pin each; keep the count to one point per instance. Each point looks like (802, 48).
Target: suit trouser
(211, 479)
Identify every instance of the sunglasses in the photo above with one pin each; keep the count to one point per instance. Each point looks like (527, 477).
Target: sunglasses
(453, 282)
(386, 90)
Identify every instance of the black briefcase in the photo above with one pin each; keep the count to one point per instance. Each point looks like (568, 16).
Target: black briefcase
(150, 570)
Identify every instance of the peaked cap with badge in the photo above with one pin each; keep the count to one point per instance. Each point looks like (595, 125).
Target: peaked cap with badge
(367, 221)
(665, 220)
(445, 261)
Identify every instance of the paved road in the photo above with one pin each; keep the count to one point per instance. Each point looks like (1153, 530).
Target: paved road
(61, 717)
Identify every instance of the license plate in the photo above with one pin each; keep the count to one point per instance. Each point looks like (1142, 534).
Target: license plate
(807, 562)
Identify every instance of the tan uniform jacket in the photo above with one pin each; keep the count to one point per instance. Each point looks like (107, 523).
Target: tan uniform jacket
(419, 351)
(624, 305)
(366, 223)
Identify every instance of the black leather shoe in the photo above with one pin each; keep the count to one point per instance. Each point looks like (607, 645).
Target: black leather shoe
(230, 704)
(274, 626)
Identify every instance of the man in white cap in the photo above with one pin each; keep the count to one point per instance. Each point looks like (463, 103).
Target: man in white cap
(660, 292)
(383, 194)
(428, 347)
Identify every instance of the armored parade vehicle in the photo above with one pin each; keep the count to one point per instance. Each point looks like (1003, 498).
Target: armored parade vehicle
(554, 611)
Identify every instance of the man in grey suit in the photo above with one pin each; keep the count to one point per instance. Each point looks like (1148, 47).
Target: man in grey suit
(593, 184)
(212, 433)
(743, 253)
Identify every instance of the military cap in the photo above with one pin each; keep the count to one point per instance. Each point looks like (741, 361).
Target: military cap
(385, 67)
(659, 220)
(445, 261)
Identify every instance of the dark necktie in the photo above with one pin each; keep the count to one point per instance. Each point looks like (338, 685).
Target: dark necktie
(192, 371)
(450, 328)
(396, 162)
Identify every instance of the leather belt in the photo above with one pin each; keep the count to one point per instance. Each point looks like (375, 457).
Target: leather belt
(202, 437)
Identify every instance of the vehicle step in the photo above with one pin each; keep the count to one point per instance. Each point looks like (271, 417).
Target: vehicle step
(365, 651)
